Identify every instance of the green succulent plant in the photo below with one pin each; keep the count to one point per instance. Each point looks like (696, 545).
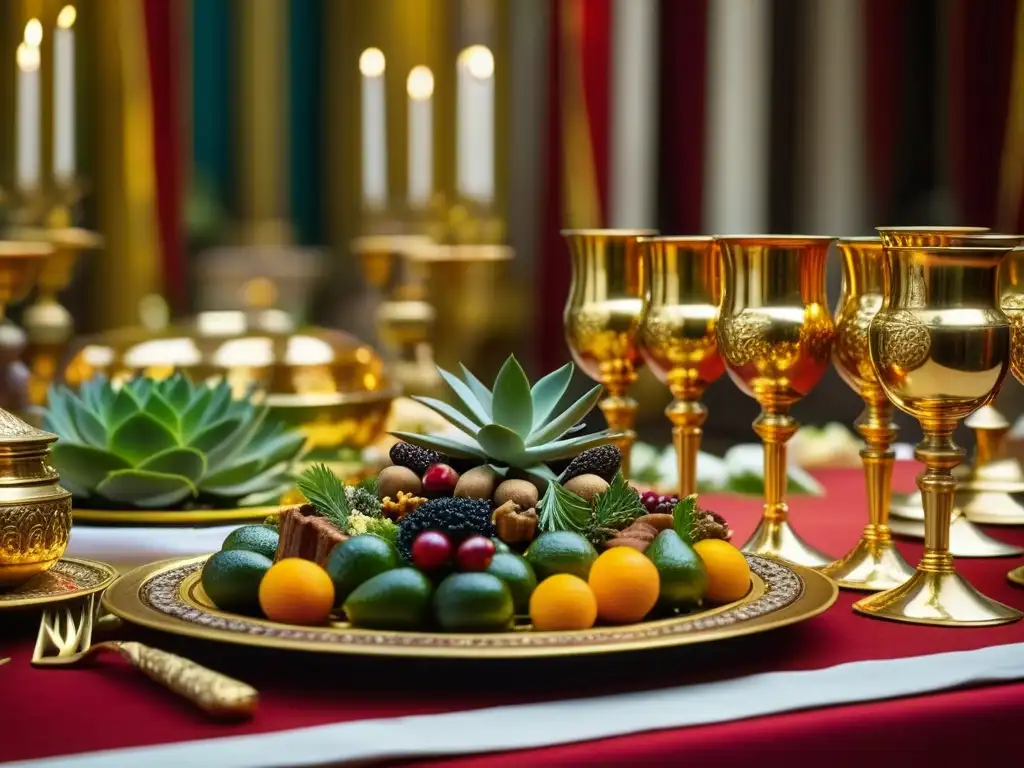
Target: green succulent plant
(167, 444)
(514, 425)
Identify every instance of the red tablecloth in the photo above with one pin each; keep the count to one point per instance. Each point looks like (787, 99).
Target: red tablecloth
(45, 712)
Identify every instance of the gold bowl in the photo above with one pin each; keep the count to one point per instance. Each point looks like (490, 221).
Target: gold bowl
(35, 512)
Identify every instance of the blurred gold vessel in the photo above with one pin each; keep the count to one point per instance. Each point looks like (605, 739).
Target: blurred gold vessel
(874, 563)
(776, 334)
(20, 264)
(678, 335)
(602, 318)
(35, 512)
(940, 347)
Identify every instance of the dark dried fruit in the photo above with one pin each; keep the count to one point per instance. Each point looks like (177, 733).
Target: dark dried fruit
(708, 525)
(603, 461)
(419, 460)
(456, 517)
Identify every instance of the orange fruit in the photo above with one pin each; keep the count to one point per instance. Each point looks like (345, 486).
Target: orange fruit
(297, 591)
(728, 572)
(561, 602)
(626, 585)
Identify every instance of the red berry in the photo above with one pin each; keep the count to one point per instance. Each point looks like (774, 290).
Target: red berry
(475, 554)
(439, 480)
(431, 550)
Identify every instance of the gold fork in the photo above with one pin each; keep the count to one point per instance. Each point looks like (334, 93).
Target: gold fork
(64, 640)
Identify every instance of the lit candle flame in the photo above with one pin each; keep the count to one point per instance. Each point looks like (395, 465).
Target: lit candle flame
(66, 17)
(420, 83)
(34, 33)
(372, 62)
(478, 60)
(28, 57)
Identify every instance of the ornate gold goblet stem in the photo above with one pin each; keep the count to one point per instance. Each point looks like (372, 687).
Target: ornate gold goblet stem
(620, 412)
(687, 417)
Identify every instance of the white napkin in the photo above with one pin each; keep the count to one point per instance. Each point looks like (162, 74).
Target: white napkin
(132, 547)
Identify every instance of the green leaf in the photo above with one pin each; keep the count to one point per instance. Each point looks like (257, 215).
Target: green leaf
(683, 517)
(220, 401)
(465, 401)
(272, 482)
(327, 493)
(193, 420)
(563, 510)
(512, 406)
(140, 387)
(178, 392)
(124, 406)
(92, 395)
(140, 437)
(567, 418)
(213, 436)
(548, 392)
(58, 414)
(561, 449)
(540, 473)
(161, 410)
(619, 506)
(236, 474)
(442, 444)
(452, 414)
(152, 490)
(89, 427)
(84, 466)
(480, 390)
(250, 423)
(503, 444)
(272, 444)
(187, 462)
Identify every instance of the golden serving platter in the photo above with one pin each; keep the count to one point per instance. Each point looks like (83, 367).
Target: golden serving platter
(168, 596)
(168, 517)
(69, 578)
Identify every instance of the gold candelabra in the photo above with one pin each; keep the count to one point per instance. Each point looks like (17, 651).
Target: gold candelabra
(940, 347)
(678, 335)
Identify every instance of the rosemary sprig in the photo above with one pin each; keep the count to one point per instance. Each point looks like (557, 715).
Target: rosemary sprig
(614, 509)
(327, 493)
(562, 510)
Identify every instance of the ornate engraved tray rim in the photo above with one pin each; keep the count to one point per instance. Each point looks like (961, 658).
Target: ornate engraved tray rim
(73, 568)
(163, 596)
(172, 517)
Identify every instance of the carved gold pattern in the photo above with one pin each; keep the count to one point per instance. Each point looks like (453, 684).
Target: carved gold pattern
(1013, 308)
(852, 344)
(12, 426)
(904, 341)
(743, 337)
(34, 533)
(67, 579)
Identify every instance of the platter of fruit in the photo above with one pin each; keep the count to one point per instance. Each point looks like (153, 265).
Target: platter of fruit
(520, 539)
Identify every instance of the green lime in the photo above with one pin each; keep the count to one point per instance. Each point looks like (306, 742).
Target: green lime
(518, 576)
(561, 552)
(254, 538)
(684, 579)
(500, 546)
(231, 579)
(357, 560)
(395, 599)
(473, 602)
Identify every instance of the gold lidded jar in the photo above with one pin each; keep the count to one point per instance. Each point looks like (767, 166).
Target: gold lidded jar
(35, 512)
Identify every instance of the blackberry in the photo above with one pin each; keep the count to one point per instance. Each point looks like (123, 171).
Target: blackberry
(603, 461)
(459, 518)
(415, 458)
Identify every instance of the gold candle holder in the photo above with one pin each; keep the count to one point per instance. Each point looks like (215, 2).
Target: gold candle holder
(940, 348)
(874, 563)
(776, 335)
(602, 315)
(678, 335)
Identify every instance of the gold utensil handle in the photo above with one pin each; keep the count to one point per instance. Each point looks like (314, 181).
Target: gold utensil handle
(216, 694)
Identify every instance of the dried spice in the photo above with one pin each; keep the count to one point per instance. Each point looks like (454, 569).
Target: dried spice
(396, 509)
(514, 524)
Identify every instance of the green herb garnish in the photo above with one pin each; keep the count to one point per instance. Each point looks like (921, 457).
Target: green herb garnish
(684, 517)
(370, 485)
(562, 510)
(614, 509)
(327, 493)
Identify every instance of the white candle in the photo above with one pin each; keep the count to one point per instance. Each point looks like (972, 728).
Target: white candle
(28, 113)
(475, 124)
(420, 87)
(64, 96)
(374, 126)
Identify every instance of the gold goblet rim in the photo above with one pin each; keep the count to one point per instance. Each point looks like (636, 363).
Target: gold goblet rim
(596, 232)
(461, 253)
(62, 237)
(860, 240)
(388, 243)
(681, 239)
(25, 249)
(926, 230)
(778, 240)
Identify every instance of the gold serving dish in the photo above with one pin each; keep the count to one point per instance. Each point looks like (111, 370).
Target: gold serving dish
(168, 597)
(325, 382)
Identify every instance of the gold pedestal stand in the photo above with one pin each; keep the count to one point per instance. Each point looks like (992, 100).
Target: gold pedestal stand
(1017, 575)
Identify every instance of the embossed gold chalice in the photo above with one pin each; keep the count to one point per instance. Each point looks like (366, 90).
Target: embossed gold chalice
(678, 335)
(940, 347)
(874, 563)
(602, 316)
(776, 336)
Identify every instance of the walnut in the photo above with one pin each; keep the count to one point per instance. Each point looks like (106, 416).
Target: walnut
(639, 536)
(397, 509)
(660, 521)
(514, 523)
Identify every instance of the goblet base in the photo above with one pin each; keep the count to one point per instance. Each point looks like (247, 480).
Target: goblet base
(940, 599)
(965, 538)
(1017, 575)
(777, 539)
(991, 507)
(907, 506)
(871, 566)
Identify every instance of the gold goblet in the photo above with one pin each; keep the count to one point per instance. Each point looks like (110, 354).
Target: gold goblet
(776, 335)
(1012, 302)
(20, 263)
(602, 316)
(874, 563)
(940, 346)
(678, 335)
